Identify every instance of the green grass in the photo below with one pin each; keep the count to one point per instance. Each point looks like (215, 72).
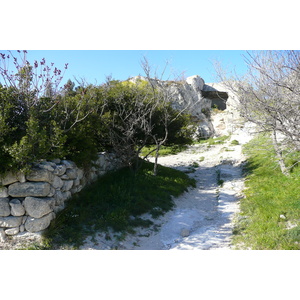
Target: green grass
(116, 201)
(164, 150)
(235, 142)
(271, 203)
(214, 141)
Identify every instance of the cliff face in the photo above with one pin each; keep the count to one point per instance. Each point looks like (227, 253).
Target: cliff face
(230, 119)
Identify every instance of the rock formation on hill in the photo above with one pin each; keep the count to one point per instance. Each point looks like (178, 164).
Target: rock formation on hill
(199, 98)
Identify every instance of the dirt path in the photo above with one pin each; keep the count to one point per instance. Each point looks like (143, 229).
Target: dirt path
(203, 216)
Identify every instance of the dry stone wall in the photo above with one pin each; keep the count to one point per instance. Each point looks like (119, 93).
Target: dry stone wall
(30, 202)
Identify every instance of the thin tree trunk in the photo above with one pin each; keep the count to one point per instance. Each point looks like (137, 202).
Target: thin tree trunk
(278, 153)
(156, 159)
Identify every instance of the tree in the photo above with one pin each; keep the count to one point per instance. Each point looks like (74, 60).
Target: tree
(165, 116)
(127, 117)
(30, 81)
(269, 96)
(137, 114)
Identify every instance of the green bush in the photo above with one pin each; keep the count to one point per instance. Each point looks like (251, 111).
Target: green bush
(235, 143)
(40, 122)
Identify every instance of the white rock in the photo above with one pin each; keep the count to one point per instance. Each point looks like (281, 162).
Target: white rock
(17, 209)
(60, 170)
(282, 217)
(80, 174)
(71, 173)
(101, 161)
(59, 208)
(67, 195)
(38, 224)
(40, 175)
(68, 184)
(10, 221)
(57, 183)
(12, 231)
(185, 232)
(38, 207)
(10, 178)
(2, 235)
(76, 182)
(58, 196)
(27, 189)
(79, 188)
(4, 207)
(69, 164)
(74, 190)
(3, 192)
(196, 82)
(52, 192)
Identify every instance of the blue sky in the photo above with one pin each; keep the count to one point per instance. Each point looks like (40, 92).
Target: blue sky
(95, 65)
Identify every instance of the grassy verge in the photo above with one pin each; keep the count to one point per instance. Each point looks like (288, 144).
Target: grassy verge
(270, 211)
(115, 202)
(214, 141)
(164, 150)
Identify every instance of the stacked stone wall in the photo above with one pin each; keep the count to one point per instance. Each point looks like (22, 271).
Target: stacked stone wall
(29, 202)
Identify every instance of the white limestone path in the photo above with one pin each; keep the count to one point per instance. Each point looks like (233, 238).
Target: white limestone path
(202, 217)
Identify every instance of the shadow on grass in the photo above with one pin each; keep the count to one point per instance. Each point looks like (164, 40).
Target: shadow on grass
(116, 201)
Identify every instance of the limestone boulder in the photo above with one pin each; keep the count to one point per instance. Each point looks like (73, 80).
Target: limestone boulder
(38, 224)
(12, 231)
(71, 173)
(101, 161)
(47, 165)
(80, 174)
(17, 209)
(52, 192)
(38, 207)
(69, 164)
(196, 82)
(11, 177)
(10, 222)
(185, 232)
(22, 228)
(40, 175)
(3, 192)
(4, 207)
(60, 170)
(57, 183)
(2, 235)
(68, 184)
(66, 195)
(58, 196)
(205, 129)
(29, 189)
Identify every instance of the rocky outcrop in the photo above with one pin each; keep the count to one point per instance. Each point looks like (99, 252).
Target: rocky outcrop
(29, 202)
(187, 95)
(218, 97)
(222, 91)
(199, 98)
(229, 120)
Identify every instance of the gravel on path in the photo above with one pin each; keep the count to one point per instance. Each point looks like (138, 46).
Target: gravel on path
(203, 217)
